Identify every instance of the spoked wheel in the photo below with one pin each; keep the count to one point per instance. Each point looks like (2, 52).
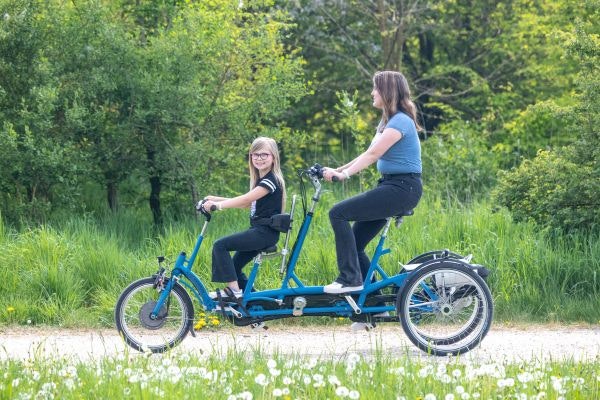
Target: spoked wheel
(132, 315)
(445, 308)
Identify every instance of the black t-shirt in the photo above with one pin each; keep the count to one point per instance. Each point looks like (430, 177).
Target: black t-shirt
(270, 204)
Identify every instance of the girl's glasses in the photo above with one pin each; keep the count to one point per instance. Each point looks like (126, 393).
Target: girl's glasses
(259, 156)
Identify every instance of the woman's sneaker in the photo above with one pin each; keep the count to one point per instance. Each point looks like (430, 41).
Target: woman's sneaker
(337, 288)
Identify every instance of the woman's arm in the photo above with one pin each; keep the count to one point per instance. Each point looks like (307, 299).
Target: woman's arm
(378, 147)
(242, 201)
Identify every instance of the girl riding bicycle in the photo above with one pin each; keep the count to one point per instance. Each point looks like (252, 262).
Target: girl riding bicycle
(265, 198)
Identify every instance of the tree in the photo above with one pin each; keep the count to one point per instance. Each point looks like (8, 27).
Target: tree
(559, 188)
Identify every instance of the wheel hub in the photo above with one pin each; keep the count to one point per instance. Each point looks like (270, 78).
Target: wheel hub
(146, 319)
(446, 309)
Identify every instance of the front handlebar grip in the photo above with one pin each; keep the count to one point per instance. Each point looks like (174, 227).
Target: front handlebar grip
(200, 208)
(334, 179)
(213, 207)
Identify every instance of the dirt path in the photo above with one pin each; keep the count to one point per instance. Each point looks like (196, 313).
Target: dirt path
(503, 342)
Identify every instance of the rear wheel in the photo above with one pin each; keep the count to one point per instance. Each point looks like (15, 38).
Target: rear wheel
(445, 308)
(140, 331)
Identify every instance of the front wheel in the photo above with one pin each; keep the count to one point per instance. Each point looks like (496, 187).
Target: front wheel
(445, 308)
(132, 316)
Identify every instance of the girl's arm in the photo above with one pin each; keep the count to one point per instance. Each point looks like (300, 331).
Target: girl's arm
(378, 147)
(215, 198)
(242, 201)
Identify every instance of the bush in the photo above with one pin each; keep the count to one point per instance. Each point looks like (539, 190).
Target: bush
(457, 162)
(551, 190)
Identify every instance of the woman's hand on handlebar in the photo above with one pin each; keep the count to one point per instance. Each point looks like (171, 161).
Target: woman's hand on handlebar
(331, 175)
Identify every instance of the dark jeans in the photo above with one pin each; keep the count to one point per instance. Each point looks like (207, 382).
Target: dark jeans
(369, 211)
(246, 245)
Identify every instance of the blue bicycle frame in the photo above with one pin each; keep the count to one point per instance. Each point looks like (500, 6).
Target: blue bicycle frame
(346, 306)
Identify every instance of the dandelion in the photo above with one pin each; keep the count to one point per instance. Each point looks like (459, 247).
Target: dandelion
(354, 395)
(261, 379)
(271, 363)
(245, 396)
(287, 381)
(10, 309)
(449, 396)
(333, 380)
(342, 391)
(275, 372)
(277, 392)
(456, 373)
(16, 382)
(459, 389)
(429, 396)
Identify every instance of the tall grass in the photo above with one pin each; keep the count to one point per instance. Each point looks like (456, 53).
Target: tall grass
(71, 273)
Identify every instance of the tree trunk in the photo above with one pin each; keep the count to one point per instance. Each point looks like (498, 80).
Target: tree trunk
(155, 186)
(112, 196)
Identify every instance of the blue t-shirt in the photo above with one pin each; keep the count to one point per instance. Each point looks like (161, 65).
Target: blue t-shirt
(405, 155)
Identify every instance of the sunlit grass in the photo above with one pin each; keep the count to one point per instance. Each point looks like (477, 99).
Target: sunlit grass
(261, 376)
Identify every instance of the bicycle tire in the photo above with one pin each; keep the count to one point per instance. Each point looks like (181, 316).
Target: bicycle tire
(161, 334)
(445, 308)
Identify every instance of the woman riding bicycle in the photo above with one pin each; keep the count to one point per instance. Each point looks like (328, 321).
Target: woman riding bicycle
(397, 151)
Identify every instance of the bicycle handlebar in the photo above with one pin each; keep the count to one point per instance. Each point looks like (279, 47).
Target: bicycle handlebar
(213, 207)
(201, 210)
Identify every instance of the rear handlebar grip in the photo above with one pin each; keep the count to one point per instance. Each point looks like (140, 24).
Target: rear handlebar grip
(334, 179)
(213, 207)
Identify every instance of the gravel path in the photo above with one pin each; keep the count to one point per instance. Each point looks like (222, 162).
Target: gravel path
(502, 342)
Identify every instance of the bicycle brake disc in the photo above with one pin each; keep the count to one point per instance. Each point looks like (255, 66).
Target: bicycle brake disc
(148, 322)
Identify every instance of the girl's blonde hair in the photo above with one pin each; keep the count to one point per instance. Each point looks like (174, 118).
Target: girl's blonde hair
(395, 94)
(268, 144)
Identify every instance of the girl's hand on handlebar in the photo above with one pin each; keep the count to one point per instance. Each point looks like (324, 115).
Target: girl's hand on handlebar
(210, 205)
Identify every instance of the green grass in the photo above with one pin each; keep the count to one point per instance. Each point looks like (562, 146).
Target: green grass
(260, 376)
(71, 273)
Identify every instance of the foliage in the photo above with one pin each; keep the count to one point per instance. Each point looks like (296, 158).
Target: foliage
(457, 162)
(559, 188)
(110, 94)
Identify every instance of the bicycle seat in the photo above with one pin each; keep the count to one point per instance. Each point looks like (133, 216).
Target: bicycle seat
(407, 213)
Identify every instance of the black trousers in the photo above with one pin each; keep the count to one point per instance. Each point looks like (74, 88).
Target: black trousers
(369, 210)
(246, 245)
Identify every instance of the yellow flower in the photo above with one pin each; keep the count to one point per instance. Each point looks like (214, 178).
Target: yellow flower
(10, 309)
(214, 322)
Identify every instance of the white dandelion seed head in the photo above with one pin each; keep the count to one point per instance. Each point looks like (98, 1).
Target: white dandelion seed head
(261, 379)
(342, 391)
